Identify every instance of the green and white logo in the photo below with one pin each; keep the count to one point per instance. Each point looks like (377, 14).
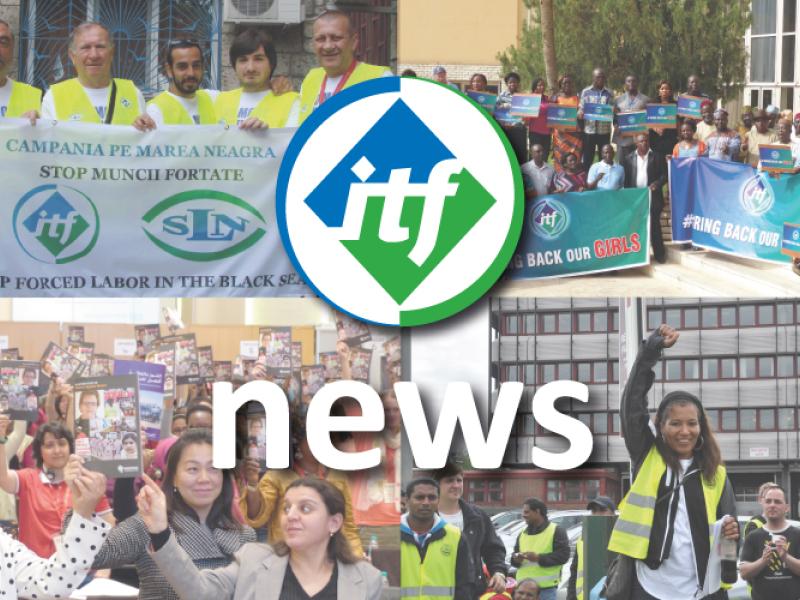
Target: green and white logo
(391, 212)
(204, 225)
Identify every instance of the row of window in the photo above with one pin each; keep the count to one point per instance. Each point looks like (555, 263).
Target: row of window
(719, 317)
(724, 420)
(689, 317)
(719, 368)
(572, 490)
(541, 323)
(671, 369)
(595, 371)
(484, 491)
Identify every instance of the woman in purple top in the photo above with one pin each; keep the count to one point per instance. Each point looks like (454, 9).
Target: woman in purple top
(572, 178)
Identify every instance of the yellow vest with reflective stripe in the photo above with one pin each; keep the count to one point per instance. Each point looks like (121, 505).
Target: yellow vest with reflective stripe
(631, 534)
(435, 578)
(175, 113)
(72, 103)
(541, 543)
(579, 579)
(273, 110)
(312, 84)
(23, 98)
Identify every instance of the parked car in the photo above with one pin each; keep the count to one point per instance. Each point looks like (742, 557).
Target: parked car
(501, 519)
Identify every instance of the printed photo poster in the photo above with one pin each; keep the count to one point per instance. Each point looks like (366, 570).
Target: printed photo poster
(360, 359)
(333, 365)
(106, 425)
(164, 354)
(151, 394)
(277, 345)
(237, 367)
(76, 334)
(249, 368)
(312, 378)
(102, 365)
(9, 354)
(351, 331)
(257, 438)
(19, 381)
(223, 370)
(205, 360)
(83, 351)
(146, 334)
(187, 369)
(58, 362)
(297, 356)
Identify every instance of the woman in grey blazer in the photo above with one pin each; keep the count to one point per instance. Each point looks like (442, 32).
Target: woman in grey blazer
(314, 560)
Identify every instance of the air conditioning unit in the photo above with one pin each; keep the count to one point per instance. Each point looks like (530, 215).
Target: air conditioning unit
(265, 11)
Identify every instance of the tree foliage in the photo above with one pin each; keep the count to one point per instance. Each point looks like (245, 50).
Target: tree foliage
(655, 39)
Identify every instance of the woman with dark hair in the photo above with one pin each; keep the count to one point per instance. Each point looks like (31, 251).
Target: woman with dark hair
(572, 178)
(689, 146)
(565, 142)
(478, 82)
(680, 488)
(662, 141)
(539, 132)
(198, 500)
(313, 560)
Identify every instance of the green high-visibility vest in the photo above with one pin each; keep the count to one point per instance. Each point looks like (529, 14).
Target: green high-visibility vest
(435, 577)
(541, 543)
(631, 534)
(175, 113)
(312, 84)
(72, 103)
(273, 110)
(23, 98)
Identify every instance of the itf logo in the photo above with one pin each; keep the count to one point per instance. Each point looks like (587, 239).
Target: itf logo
(56, 224)
(549, 218)
(756, 196)
(400, 201)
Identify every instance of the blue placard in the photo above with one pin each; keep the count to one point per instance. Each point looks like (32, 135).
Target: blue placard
(632, 123)
(791, 240)
(689, 106)
(505, 117)
(526, 105)
(562, 117)
(662, 116)
(486, 99)
(776, 158)
(598, 112)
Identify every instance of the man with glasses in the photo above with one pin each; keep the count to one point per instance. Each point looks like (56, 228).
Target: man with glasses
(16, 99)
(93, 96)
(256, 105)
(335, 44)
(184, 103)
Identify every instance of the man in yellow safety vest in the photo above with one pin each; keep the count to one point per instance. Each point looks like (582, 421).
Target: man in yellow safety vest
(184, 103)
(255, 105)
(434, 557)
(93, 96)
(16, 99)
(335, 44)
(541, 549)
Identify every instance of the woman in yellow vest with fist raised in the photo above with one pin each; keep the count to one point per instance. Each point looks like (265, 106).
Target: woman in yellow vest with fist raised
(679, 490)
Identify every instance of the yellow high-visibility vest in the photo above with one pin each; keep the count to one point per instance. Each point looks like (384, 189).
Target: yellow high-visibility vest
(72, 103)
(175, 113)
(273, 110)
(23, 98)
(631, 534)
(435, 577)
(541, 543)
(312, 84)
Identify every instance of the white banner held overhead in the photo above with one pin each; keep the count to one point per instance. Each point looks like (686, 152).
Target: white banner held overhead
(94, 210)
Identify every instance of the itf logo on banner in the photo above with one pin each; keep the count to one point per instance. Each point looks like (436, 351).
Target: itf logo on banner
(400, 201)
(549, 218)
(756, 196)
(56, 224)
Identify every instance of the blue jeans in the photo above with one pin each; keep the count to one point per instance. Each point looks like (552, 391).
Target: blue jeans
(547, 594)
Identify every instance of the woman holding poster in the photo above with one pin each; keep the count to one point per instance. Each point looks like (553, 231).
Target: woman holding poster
(680, 488)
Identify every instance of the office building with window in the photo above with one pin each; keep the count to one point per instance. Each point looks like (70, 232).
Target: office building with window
(739, 356)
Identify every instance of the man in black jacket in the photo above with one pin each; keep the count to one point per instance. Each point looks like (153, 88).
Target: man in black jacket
(476, 527)
(645, 168)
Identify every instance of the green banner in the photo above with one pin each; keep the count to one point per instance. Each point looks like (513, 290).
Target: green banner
(583, 232)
